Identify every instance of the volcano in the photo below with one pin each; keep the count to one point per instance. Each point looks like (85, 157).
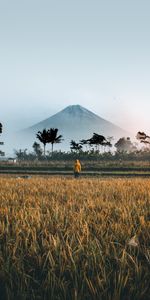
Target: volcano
(74, 123)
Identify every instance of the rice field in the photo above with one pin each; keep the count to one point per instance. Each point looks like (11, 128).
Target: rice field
(85, 239)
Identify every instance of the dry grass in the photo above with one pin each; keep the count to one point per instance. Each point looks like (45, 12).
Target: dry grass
(71, 239)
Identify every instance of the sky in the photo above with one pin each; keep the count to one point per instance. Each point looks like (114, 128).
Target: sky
(55, 53)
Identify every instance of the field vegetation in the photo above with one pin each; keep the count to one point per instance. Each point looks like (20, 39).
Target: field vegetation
(87, 165)
(62, 238)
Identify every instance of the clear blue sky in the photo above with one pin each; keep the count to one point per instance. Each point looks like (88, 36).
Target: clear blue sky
(94, 53)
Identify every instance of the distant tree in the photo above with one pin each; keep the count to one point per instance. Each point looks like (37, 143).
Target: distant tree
(53, 138)
(21, 154)
(110, 139)
(124, 145)
(97, 140)
(143, 138)
(1, 143)
(75, 146)
(147, 142)
(37, 149)
(1, 128)
(106, 144)
(43, 137)
(49, 136)
(84, 142)
(2, 153)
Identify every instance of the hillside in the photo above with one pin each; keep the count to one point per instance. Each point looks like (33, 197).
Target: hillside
(74, 122)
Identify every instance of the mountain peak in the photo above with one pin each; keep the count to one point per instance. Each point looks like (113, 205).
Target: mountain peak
(77, 111)
(75, 122)
(74, 108)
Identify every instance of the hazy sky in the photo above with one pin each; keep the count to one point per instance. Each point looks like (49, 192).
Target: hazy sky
(90, 52)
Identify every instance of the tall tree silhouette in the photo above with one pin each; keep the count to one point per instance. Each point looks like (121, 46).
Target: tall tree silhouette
(43, 137)
(97, 140)
(1, 128)
(143, 137)
(1, 143)
(75, 146)
(37, 149)
(53, 138)
(21, 154)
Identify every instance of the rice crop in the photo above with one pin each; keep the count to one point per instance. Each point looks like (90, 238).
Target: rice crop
(62, 238)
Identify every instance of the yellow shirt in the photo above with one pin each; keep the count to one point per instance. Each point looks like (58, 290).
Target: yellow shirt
(77, 166)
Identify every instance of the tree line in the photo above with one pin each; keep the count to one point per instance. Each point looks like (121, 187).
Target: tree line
(96, 145)
(96, 142)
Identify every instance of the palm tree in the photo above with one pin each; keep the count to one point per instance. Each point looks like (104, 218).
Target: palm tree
(75, 146)
(43, 137)
(53, 138)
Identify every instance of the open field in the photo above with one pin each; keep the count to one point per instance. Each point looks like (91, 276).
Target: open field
(89, 168)
(87, 165)
(62, 238)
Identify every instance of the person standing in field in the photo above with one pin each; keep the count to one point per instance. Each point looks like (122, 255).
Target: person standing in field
(77, 168)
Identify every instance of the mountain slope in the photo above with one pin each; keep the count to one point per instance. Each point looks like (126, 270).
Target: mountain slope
(75, 122)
